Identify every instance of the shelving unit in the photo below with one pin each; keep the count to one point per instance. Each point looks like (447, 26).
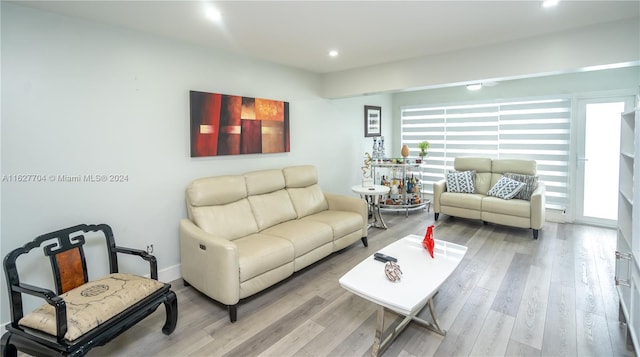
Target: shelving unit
(628, 245)
(403, 200)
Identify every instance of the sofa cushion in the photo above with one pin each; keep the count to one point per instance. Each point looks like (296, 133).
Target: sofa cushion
(260, 253)
(530, 181)
(220, 190)
(228, 221)
(264, 181)
(464, 200)
(304, 235)
(272, 208)
(520, 208)
(342, 222)
(506, 188)
(300, 176)
(461, 182)
(308, 200)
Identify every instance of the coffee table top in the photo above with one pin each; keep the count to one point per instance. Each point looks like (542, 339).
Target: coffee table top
(422, 275)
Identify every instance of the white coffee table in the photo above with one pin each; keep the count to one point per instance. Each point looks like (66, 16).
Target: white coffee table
(372, 196)
(422, 277)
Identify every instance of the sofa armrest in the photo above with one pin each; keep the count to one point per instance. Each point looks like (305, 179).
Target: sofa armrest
(209, 263)
(350, 204)
(438, 188)
(538, 209)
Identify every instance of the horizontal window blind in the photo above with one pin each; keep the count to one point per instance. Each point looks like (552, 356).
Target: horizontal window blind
(533, 129)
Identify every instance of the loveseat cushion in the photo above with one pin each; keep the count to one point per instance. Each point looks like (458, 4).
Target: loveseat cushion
(308, 200)
(229, 221)
(272, 208)
(93, 303)
(463, 200)
(520, 208)
(260, 253)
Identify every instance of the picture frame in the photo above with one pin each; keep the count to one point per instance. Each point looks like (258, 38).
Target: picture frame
(372, 121)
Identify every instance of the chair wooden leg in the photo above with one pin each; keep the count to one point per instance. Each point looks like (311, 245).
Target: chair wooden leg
(365, 242)
(436, 215)
(171, 307)
(535, 234)
(8, 350)
(233, 312)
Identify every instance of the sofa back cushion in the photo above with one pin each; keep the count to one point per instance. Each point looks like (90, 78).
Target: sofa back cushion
(229, 221)
(308, 200)
(264, 181)
(482, 167)
(218, 190)
(300, 176)
(518, 166)
(272, 208)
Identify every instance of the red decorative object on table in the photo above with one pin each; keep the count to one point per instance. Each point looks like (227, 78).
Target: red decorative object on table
(428, 242)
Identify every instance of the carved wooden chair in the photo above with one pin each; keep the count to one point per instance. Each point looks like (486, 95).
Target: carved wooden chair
(81, 314)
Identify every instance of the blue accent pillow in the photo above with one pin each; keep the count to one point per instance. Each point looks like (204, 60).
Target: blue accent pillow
(461, 181)
(506, 188)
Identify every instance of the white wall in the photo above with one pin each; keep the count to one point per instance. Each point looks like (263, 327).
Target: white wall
(81, 98)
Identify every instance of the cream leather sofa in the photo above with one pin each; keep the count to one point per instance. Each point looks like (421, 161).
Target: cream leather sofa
(247, 232)
(511, 212)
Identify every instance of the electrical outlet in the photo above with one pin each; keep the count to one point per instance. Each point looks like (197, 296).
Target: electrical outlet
(150, 248)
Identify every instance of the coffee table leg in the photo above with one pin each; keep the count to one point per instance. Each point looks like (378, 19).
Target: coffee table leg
(380, 345)
(433, 326)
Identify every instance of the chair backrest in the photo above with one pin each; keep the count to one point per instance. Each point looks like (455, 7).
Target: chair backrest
(66, 254)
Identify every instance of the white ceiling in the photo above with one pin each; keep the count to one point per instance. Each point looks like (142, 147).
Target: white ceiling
(300, 33)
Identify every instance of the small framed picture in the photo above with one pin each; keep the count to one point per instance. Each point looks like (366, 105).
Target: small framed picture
(372, 121)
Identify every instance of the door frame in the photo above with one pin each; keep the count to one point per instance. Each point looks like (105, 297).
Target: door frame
(578, 150)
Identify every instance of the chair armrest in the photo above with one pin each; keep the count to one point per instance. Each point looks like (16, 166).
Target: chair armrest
(52, 299)
(350, 204)
(153, 263)
(210, 263)
(438, 188)
(538, 209)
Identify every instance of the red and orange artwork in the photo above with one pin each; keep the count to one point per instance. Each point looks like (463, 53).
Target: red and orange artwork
(232, 125)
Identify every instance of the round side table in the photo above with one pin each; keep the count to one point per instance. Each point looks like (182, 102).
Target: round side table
(372, 196)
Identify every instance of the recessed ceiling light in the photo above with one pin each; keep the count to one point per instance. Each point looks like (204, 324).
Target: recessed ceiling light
(333, 53)
(474, 86)
(213, 14)
(550, 3)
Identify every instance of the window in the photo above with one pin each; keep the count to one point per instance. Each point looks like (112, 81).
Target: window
(534, 129)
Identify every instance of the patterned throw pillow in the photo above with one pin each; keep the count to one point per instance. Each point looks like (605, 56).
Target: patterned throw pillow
(461, 181)
(506, 188)
(531, 183)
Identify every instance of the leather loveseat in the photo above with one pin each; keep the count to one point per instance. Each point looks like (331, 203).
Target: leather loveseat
(247, 232)
(525, 210)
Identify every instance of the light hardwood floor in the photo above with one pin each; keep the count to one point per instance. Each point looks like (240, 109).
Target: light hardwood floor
(510, 296)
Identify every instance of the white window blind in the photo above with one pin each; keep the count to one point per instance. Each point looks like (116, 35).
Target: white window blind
(533, 129)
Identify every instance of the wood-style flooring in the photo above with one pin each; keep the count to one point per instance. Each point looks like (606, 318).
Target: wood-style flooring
(510, 296)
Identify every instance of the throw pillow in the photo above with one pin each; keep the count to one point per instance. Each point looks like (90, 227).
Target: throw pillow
(506, 188)
(461, 181)
(531, 183)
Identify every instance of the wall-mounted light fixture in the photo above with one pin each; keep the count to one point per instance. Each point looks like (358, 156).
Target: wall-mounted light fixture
(475, 86)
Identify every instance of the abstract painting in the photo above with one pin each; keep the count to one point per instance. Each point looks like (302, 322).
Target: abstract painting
(223, 124)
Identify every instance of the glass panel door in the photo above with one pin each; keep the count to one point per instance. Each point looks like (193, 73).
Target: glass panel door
(598, 157)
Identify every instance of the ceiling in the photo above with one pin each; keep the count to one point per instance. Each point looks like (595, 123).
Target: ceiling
(301, 33)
